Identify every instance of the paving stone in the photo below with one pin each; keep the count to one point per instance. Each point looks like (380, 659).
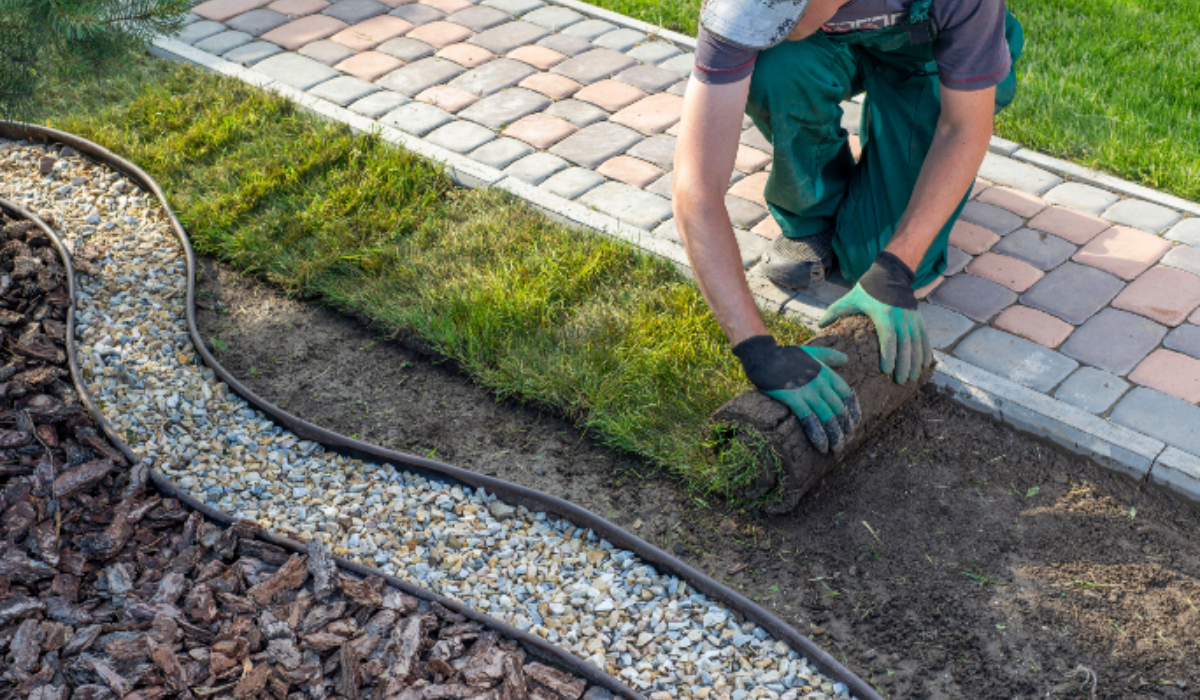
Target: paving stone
(539, 57)
(670, 231)
(1124, 252)
(620, 40)
(366, 35)
(1038, 326)
(493, 77)
(1020, 176)
(252, 53)
(505, 107)
(1160, 416)
(1114, 340)
(659, 150)
(298, 71)
(416, 77)
(1015, 274)
(654, 52)
(1081, 197)
(460, 136)
(441, 34)
(753, 138)
(503, 39)
(610, 95)
(1038, 248)
(662, 186)
(979, 187)
(628, 204)
(749, 160)
(516, 8)
(298, 8)
(479, 19)
(198, 31)
(999, 221)
(1091, 389)
(369, 65)
(448, 6)
(750, 245)
(1184, 339)
(956, 261)
(589, 29)
(554, 18)
(742, 212)
(566, 45)
(406, 49)
(1143, 215)
(1195, 317)
(1070, 225)
(572, 182)
(355, 11)
(1186, 231)
(1017, 359)
(221, 10)
(597, 143)
(328, 52)
(378, 104)
(219, 44)
(580, 114)
(556, 87)
(417, 118)
(594, 65)
(189, 18)
(305, 30)
(681, 64)
(1172, 373)
(1164, 294)
(1183, 257)
(647, 78)
(343, 90)
(536, 167)
(629, 170)
(751, 188)
(944, 326)
(974, 297)
(1073, 292)
(417, 14)
(466, 55)
(445, 97)
(257, 22)
(971, 238)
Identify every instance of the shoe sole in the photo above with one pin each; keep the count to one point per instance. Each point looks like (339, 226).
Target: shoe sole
(793, 274)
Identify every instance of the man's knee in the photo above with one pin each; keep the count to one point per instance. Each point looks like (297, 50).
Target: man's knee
(806, 80)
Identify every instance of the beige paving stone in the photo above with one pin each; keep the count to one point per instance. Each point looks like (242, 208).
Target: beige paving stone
(368, 34)
(1125, 252)
(540, 130)
(610, 95)
(305, 30)
(1074, 226)
(222, 10)
(448, 6)
(751, 188)
(369, 65)
(629, 170)
(448, 98)
(466, 55)
(750, 160)
(556, 87)
(297, 8)
(1016, 201)
(769, 228)
(653, 115)
(440, 34)
(539, 57)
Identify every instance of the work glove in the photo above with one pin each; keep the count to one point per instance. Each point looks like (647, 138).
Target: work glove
(801, 379)
(885, 295)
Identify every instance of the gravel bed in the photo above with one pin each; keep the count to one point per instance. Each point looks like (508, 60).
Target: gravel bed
(538, 573)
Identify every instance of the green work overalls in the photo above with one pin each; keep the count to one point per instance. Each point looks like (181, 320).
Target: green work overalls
(815, 184)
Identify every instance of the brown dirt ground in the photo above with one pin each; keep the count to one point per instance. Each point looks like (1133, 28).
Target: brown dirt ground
(948, 558)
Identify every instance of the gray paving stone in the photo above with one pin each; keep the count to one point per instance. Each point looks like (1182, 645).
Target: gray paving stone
(1073, 292)
(597, 64)
(554, 18)
(1136, 213)
(252, 53)
(298, 71)
(416, 118)
(516, 8)
(415, 77)
(1081, 197)
(654, 52)
(566, 45)
(1183, 257)
(742, 212)
(669, 231)
(1091, 389)
(572, 182)
(628, 204)
(1020, 360)
(944, 326)
(258, 22)
(1184, 339)
(659, 150)
(460, 137)
(327, 52)
(198, 31)
(500, 40)
(1038, 248)
(1160, 416)
(589, 29)
(754, 138)
(680, 89)
(681, 64)
(378, 104)
(649, 79)
(620, 40)
(536, 167)
(999, 221)
(479, 19)
(343, 90)
(1017, 175)
(580, 114)
(405, 49)
(493, 76)
(355, 11)
(974, 297)
(663, 186)
(591, 146)
(750, 245)
(501, 152)
(417, 13)
(505, 107)
(956, 260)
(219, 44)
(191, 18)
(1186, 231)
(1114, 340)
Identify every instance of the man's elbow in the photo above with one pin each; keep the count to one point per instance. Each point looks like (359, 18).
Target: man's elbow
(693, 199)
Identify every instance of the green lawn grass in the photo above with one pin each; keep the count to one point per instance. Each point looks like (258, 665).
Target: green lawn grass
(1110, 84)
(619, 341)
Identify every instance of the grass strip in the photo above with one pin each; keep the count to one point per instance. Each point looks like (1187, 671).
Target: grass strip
(617, 340)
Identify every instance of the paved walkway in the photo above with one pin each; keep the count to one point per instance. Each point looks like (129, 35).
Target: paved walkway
(1070, 307)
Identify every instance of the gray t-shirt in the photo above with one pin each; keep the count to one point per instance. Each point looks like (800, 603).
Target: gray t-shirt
(970, 49)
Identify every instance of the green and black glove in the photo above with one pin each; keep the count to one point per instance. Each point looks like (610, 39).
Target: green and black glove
(885, 295)
(801, 379)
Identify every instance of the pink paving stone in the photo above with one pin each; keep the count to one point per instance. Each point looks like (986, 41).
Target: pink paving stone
(221, 10)
(972, 239)
(467, 55)
(927, 289)
(629, 170)
(855, 147)
(305, 30)
(979, 186)
(653, 115)
(440, 34)
(447, 6)
(1171, 373)
(369, 65)
(1019, 203)
(1164, 294)
(1038, 326)
(556, 87)
(1017, 275)
(768, 228)
(297, 8)
(751, 188)
(540, 130)
(610, 95)
(750, 160)
(365, 36)
(1195, 318)
(1125, 252)
(539, 57)
(673, 131)
(1075, 226)
(448, 98)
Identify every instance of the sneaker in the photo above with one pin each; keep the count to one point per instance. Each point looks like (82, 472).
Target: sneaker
(799, 263)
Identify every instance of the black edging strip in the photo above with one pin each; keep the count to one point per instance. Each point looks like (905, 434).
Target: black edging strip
(510, 493)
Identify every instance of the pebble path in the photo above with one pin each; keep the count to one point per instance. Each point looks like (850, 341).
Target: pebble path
(538, 573)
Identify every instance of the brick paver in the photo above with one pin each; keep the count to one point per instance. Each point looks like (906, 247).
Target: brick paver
(355, 11)
(589, 29)
(297, 8)
(648, 79)
(343, 90)
(572, 182)
(923, 293)
(369, 65)
(1073, 292)
(652, 115)
(445, 97)
(993, 218)
(609, 95)
(1020, 203)
(1184, 339)
(406, 49)
(1015, 274)
(299, 32)
(328, 52)
(1080, 197)
(554, 18)
(296, 70)
(1146, 216)
(742, 212)
(972, 238)
(508, 37)
(1125, 252)
(1170, 372)
(258, 22)
(440, 34)
(578, 113)
(379, 103)
(1164, 294)
(419, 76)
(594, 65)
(1091, 389)
(659, 150)
(620, 40)
(539, 57)
(973, 297)
(1158, 415)
(630, 170)
(945, 327)
(448, 6)
(628, 204)
(956, 261)
(767, 228)
(654, 52)
(566, 45)
(460, 136)
(1114, 340)
(368, 34)
(1038, 326)
(1186, 231)
(515, 8)
(225, 41)
(492, 77)
(252, 53)
(417, 14)
(505, 107)
(222, 10)
(536, 167)
(595, 144)
(1014, 358)
(556, 87)
(541, 130)
(1068, 224)
(499, 153)
(1038, 248)
(479, 19)
(751, 188)
(1184, 258)
(751, 160)
(466, 55)
(198, 31)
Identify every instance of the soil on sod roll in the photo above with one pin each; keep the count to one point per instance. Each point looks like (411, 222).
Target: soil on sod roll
(948, 558)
